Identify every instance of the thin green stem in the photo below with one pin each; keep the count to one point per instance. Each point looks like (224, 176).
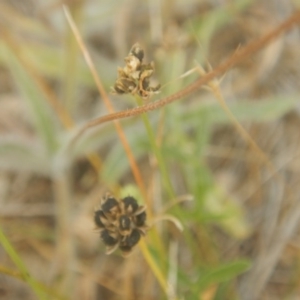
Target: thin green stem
(48, 290)
(20, 264)
(159, 157)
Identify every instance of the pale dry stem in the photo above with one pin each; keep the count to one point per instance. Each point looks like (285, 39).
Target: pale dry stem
(132, 162)
(241, 54)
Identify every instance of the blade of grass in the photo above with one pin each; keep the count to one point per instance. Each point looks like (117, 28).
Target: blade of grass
(214, 87)
(20, 265)
(20, 154)
(266, 110)
(18, 275)
(223, 273)
(46, 92)
(40, 113)
(65, 244)
(50, 96)
(154, 267)
(70, 60)
(246, 136)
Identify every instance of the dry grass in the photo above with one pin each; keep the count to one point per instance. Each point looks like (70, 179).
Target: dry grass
(222, 162)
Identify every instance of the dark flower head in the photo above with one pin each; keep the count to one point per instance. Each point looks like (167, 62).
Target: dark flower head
(121, 223)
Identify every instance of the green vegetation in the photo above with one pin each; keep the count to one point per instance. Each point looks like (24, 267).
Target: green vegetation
(187, 162)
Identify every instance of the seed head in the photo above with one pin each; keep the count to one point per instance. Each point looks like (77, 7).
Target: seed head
(134, 78)
(121, 223)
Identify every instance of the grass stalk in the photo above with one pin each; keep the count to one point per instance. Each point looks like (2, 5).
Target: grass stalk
(46, 289)
(154, 267)
(159, 157)
(44, 87)
(65, 241)
(8, 247)
(71, 62)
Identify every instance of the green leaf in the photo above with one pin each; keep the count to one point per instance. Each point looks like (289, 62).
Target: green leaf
(20, 264)
(47, 58)
(230, 212)
(203, 26)
(223, 273)
(263, 111)
(40, 112)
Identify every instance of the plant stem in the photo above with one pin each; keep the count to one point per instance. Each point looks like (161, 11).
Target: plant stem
(65, 261)
(161, 163)
(20, 264)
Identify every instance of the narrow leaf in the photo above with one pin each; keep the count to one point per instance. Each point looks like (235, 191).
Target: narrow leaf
(223, 273)
(20, 154)
(40, 111)
(20, 264)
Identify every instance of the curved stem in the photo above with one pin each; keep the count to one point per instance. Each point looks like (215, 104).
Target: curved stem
(240, 55)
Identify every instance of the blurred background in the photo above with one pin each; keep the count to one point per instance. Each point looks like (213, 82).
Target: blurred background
(222, 164)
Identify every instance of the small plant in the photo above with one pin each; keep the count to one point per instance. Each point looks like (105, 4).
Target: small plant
(121, 223)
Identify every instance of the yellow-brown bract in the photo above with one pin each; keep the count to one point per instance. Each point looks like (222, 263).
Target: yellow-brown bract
(134, 78)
